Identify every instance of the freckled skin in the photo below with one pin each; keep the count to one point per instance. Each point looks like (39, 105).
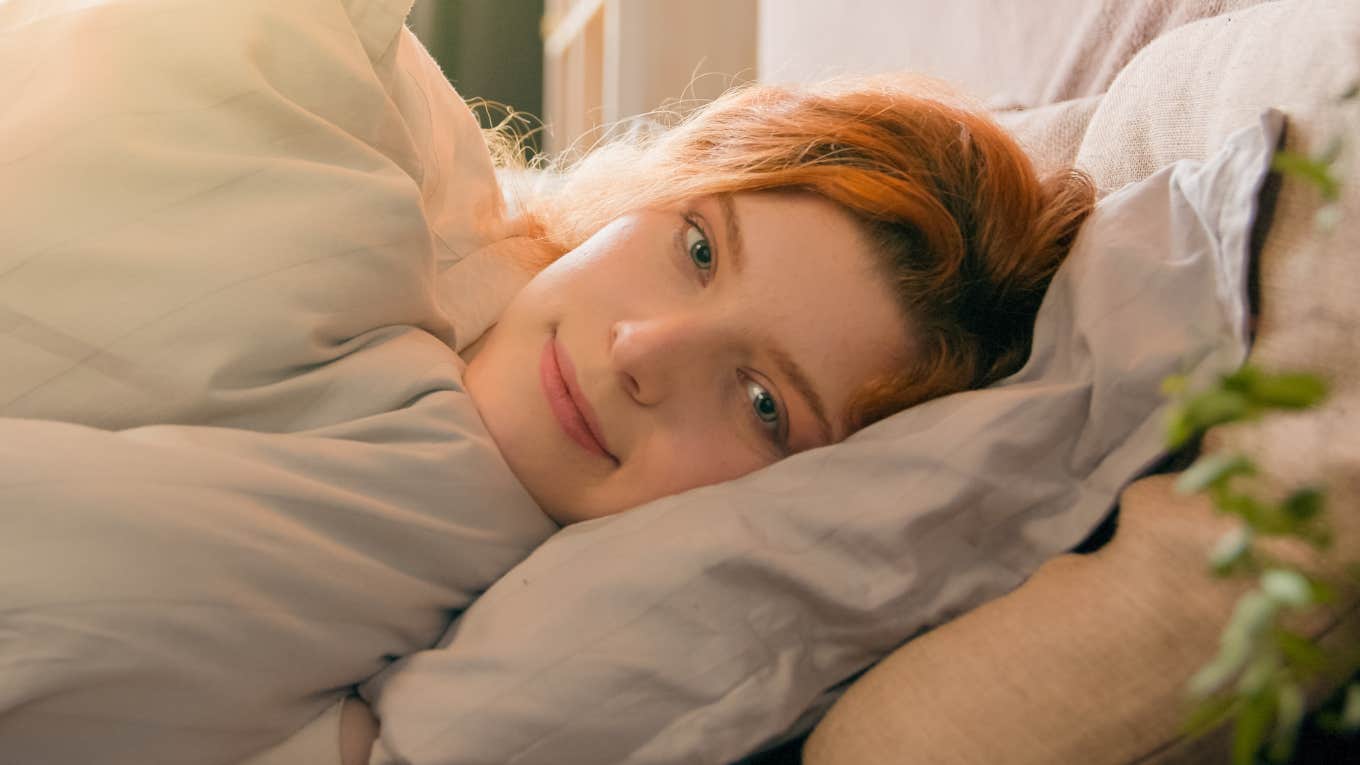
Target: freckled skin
(663, 349)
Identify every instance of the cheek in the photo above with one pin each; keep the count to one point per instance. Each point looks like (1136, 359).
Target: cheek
(676, 461)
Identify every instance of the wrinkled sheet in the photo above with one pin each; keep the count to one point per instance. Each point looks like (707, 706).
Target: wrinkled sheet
(196, 594)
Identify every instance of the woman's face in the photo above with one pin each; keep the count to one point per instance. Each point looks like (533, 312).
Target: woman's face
(683, 347)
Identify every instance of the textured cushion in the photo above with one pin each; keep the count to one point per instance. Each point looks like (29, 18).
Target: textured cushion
(1010, 54)
(1299, 56)
(1051, 134)
(1182, 96)
(1036, 670)
(1083, 664)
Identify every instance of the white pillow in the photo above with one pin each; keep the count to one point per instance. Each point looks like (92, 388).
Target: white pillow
(698, 626)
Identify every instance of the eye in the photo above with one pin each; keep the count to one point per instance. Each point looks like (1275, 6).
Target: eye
(767, 412)
(698, 248)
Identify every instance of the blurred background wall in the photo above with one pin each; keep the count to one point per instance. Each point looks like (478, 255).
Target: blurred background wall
(488, 49)
(583, 64)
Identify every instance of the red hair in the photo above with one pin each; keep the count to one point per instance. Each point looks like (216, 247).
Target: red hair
(968, 235)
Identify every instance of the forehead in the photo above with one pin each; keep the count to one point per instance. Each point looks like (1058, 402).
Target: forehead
(818, 290)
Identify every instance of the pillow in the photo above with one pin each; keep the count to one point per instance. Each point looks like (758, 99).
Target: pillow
(1011, 55)
(1182, 96)
(1050, 134)
(696, 627)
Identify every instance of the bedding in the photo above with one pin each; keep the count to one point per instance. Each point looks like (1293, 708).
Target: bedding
(195, 594)
(698, 626)
(238, 472)
(208, 205)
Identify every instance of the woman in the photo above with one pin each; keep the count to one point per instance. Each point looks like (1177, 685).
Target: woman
(784, 267)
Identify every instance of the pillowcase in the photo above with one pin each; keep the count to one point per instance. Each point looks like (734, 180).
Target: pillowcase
(696, 627)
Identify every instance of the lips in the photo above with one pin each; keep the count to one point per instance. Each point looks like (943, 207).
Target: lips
(569, 407)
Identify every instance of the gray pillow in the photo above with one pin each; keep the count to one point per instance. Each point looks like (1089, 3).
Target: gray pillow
(698, 626)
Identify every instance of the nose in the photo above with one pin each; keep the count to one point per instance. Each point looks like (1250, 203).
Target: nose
(657, 356)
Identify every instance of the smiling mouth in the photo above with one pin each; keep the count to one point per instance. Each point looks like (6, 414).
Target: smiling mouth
(566, 408)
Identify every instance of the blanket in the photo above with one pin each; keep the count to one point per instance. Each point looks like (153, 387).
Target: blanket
(238, 470)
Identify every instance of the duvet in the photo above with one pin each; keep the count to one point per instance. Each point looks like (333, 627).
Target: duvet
(194, 594)
(238, 471)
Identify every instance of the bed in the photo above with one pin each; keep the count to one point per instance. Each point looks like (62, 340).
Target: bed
(243, 245)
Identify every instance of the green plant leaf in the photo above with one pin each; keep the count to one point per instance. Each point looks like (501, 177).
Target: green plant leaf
(1287, 587)
(1314, 172)
(1289, 706)
(1252, 723)
(1233, 651)
(1174, 385)
(1322, 592)
(1213, 470)
(1252, 618)
(1217, 406)
(1206, 715)
(1232, 551)
(1346, 719)
(1350, 713)
(1264, 659)
(1263, 517)
(1300, 651)
(1287, 390)
(1179, 428)
(1241, 379)
(1316, 535)
(1262, 673)
(1305, 503)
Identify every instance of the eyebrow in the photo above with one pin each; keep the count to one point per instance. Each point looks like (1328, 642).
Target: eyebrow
(801, 382)
(735, 249)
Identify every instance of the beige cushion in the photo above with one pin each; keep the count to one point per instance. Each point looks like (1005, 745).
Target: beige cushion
(1181, 97)
(1086, 662)
(1051, 134)
(1010, 54)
